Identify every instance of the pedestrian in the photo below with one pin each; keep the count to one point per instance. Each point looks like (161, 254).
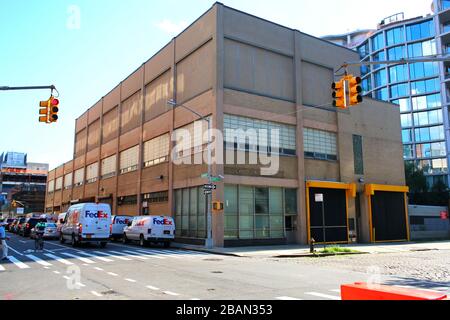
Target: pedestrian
(3, 239)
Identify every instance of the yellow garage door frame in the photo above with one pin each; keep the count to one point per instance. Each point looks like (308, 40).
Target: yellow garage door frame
(350, 189)
(370, 190)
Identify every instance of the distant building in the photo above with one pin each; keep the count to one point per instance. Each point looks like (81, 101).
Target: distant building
(422, 90)
(23, 182)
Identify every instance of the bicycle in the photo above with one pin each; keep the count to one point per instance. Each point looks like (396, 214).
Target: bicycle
(39, 242)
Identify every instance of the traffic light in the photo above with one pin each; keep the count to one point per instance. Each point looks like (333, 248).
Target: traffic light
(339, 94)
(355, 90)
(217, 206)
(49, 110)
(13, 204)
(43, 111)
(54, 109)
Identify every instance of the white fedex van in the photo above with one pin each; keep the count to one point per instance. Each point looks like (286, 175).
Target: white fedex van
(118, 223)
(87, 222)
(150, 229)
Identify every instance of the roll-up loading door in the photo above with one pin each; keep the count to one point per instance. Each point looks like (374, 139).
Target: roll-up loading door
(388, 215)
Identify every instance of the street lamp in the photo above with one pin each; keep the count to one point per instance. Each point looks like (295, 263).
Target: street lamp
(209, 240)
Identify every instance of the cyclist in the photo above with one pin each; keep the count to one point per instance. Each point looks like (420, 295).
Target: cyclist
(39, 238)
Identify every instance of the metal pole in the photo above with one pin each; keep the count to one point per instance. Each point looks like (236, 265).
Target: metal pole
(6, 88)
(323, 221)
(209, 240)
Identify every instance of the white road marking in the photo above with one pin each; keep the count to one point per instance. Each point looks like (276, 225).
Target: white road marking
(2, 268)
(152, 288)
(336, 290)
(59, 259)
(22, 241)
(18, 263)
(130, 280)
(99, 269)
(85, 260)
(321, 295)
(95, 293)
(136, 255)
(287, 298)
(38, 260)
(11, 248)
(151, 253)
(170, 293)
(113, 274)
(160, 252)
(133, 255)
(66, 277)
(57, 272)
(195, 299)
(96, 257)
(110, 255)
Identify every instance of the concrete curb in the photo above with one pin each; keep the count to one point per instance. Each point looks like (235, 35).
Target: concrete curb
(319, 255)
(212, 251)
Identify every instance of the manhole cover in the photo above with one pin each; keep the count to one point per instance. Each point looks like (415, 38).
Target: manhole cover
(216, 272)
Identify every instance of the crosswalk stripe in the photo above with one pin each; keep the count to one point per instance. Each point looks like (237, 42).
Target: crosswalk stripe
(59, 259)
(322, 295)
(147, 254)
(114, 256)
(153, 288)
(85, 260)
(158, 252)
(336, 290)
(170, 293)
(38, 260)
(135, 255)
(96, 257)
(96, 294)
(2, 268)
(287, 298)
(18, 263)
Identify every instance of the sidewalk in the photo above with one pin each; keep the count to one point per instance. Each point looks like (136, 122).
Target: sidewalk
(298, 250)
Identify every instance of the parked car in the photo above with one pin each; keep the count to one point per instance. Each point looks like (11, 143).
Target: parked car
(9, 221)
(50, 231)
(17, 225)
(87, 222)
(150, 229)
(118, 224)
(28, 224)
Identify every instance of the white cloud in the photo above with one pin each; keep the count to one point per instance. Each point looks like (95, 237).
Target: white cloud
(172, 27)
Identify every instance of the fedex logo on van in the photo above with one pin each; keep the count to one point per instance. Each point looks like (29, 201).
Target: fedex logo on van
(165, 222)
(96, 214)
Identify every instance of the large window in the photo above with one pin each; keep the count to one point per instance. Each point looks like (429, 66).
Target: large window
(79, 177)
(247, 133)
(380, 56)
(399, 90)
(382, 94)
(156, 151)
(407, 136)
(395, 36)
(257, 212)
(430, 150)
(420, 49)
(428, 118)
(408, 151)
(190, 215)
(366, 85)
(92, 173)
(398, 73)
(364, 50)
(51, 186)
(423, 70)
(68, 178)
(435, 166)
(191, 138)
(420, 31)
(425, 86)
(380, 78)
(426, 102)
(58, 183)
(405, 104)
(429, 134)
(378, 42)
(396, 53)
(406, 120)
(129, 160)
(320, 144)
(109, 167)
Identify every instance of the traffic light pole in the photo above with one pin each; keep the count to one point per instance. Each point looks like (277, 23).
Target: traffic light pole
(6, 88)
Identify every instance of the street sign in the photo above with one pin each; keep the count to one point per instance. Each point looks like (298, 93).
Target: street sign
(216, 179)
(209, 187)
(444, 215)
(319, 197)
(205, 175)
(206, 192)
(20, 210)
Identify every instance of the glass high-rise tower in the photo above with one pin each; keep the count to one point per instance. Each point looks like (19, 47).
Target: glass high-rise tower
(421, 89)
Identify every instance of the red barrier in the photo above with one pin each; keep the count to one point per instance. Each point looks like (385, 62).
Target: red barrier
(364, 291)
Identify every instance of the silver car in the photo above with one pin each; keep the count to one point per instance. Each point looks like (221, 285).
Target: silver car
(51, 231)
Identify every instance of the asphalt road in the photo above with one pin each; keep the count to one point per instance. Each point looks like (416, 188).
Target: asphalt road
(130, 272)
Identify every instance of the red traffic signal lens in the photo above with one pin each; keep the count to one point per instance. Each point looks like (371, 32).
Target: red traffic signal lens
(54, 102)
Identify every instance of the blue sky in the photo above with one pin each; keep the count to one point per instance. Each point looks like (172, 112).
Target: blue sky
(43, 42)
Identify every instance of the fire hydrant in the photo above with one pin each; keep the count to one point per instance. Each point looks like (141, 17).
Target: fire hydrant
(311, 245)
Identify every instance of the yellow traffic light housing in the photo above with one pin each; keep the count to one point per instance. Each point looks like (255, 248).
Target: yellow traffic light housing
(340, 99)
(217, 206)
(355, 90)
(54, 109)
(49, 110)
(43, 111)
(13, 203)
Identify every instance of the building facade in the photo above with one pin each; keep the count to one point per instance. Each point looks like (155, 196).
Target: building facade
(421, 89)
(22, 181)
(244, 73)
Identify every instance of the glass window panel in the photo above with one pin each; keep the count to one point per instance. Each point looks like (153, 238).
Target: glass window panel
(129, 159)
(406, 136)
(398, 73)
(395, 36)
(380, 78)
(406, 120)
(378, 42)
(276, 201)
(246, 200)
(109, 166)
(290, 201)
(405, 104)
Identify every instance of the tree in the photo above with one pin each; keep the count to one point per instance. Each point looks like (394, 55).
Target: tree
(415, 179)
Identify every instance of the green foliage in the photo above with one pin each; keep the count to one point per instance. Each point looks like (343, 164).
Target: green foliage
(337, 249)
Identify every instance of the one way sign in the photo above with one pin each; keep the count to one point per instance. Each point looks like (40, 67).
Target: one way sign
(209, 187)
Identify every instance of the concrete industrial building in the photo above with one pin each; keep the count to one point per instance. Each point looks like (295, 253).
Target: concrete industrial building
(421, 89)
(243, 72)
